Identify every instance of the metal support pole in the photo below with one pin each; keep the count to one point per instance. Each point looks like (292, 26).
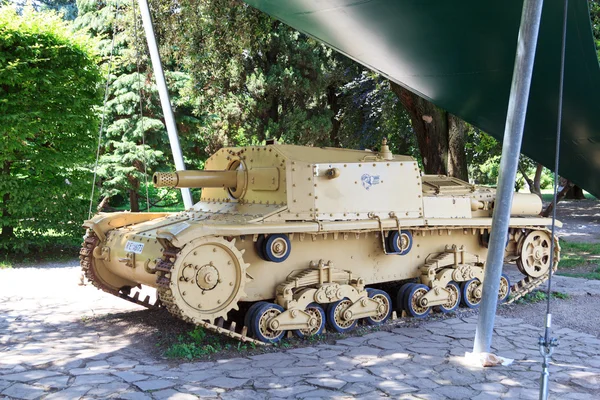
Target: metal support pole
(163, 92)
(511, 148)
(546, 343)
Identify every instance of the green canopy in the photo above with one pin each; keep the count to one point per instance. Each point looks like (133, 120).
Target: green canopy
(460, 55)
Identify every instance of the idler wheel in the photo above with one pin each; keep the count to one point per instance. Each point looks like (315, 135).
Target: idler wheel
(453, 301)
(318, 317)
(384, 309)
(534, 254)
(208, 278)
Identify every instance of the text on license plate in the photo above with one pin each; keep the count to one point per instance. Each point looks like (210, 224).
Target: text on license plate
(134, 247)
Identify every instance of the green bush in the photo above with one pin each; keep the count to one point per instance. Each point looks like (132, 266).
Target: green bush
(49, 82)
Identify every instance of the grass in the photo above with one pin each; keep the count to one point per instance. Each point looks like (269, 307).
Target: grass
(595, 274)
(202, 344)
(574, 255)
(197, 344)
(538, 295)
(548, 195)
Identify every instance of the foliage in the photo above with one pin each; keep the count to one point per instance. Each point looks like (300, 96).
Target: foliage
(133, 143)
(483, 156)
(197, 343)
(48, 90)
(539, 296)
(67, 8)
(371, 111)
(595, 16)
(256, 78)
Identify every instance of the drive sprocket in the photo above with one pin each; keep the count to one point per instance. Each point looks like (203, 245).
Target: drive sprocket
(206, 280)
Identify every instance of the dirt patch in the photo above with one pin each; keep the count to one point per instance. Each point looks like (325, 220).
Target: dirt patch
(581, 220)
(580, 313)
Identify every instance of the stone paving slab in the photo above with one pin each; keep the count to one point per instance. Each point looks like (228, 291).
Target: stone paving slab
(47, 352)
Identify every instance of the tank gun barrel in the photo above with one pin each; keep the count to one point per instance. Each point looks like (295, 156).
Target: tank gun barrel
(198, 179)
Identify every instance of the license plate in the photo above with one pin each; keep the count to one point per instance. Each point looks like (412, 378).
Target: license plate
(134, 247)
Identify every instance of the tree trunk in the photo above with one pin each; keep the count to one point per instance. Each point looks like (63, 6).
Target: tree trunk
(576, 193)
(134, 204)
(332, 100)
(534, 185)
(7, 231)
(440, 135)
(537, 180)
(559, 196)
(457, 158)
(134, 184)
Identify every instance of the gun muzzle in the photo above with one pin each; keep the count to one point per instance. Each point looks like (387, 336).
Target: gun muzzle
(198, 179)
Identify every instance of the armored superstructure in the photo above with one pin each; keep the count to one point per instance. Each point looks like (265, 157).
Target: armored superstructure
(302, 238)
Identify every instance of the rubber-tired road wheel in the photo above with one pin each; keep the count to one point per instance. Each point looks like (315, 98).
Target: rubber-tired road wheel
(261, 323)
(468, 289)
(504, 289)
(335, 318)
(318, 313)
(400, 297)
(249, 314)
(411, 301)
(454, 300)
(384, 310)
(277, 248)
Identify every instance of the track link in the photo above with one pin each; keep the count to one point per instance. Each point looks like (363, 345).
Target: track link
(163, 282)
(90, 242)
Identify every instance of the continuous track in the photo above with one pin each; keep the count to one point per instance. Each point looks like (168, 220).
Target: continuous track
(165, 298)
(163, 282)
(86, 258)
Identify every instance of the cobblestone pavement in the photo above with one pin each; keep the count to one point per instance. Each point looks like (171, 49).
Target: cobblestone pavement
(47, 351)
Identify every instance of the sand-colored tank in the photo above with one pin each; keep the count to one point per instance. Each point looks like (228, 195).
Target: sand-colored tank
(302, 238)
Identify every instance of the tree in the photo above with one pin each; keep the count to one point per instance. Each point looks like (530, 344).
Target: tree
(67, 7)
(440, 135)
(368, 111)
(255, 77)
(132, 144)
(48, 90)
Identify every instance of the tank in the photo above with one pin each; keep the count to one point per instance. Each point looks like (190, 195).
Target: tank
(300, 239)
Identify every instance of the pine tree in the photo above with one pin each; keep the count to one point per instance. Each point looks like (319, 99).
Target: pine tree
(132, 145)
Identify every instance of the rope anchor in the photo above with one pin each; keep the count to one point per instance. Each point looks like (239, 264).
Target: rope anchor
(546, 349)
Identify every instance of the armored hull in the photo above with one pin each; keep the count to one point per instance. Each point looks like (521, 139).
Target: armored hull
(304, 238)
